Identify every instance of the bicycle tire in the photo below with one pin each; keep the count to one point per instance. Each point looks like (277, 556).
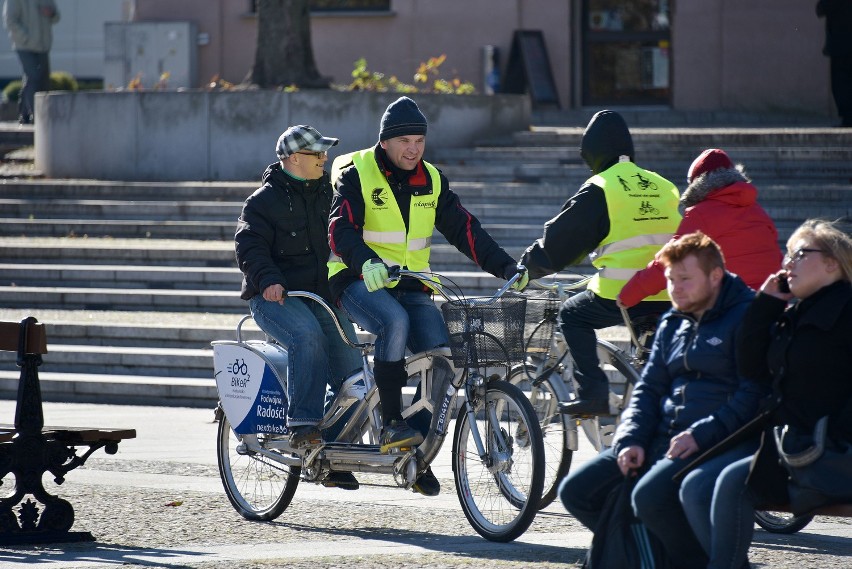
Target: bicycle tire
(259, 489)
(555, 428)
(781, 522)
(600, 430)
(500, 494)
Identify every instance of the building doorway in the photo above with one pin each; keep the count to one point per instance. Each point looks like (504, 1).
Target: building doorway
(626, 52)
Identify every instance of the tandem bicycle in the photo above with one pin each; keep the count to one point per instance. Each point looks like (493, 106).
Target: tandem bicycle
(497, 449)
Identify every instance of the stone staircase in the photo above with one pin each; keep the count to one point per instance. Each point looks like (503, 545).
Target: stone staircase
(135, 279)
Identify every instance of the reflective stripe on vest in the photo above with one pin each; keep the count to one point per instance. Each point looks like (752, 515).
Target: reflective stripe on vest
(643, 216)
(384, 228)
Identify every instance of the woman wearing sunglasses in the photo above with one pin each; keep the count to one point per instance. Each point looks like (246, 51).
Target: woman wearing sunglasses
(804, 350)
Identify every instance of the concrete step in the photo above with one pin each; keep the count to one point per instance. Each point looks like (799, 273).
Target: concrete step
(577, 174)
(116, 209)
(105, 189)
(751, 157)
(140, 229)
(123, 360)
(665, 117)
(698, 138)
(117, 389)
(120, 276)
(78, 250)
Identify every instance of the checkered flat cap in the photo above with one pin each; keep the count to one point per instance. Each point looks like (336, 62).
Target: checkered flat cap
(302, 137)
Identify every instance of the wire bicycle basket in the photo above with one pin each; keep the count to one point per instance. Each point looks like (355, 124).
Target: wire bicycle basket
(486, 334)
(540, 322)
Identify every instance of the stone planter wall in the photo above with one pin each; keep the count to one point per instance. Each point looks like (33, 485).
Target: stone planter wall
(200, 135)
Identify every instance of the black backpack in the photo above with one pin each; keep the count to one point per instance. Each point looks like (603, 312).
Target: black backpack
(621, 541)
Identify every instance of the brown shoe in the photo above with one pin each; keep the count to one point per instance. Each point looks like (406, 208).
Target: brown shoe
(305, 435)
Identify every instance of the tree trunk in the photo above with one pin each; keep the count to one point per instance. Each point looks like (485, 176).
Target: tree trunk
(284, 54)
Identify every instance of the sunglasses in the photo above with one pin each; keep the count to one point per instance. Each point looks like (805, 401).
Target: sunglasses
(799, 254)
(317, 155)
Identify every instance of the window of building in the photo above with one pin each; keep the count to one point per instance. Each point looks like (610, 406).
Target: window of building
(627, 50)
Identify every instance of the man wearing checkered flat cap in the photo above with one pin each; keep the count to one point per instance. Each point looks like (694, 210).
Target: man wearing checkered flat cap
(281, 244)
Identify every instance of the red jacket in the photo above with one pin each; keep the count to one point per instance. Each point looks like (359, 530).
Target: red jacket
(730, 215)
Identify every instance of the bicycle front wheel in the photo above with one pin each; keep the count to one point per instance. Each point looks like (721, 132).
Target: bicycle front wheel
(555, 427)
(258, 487)
(499, 492)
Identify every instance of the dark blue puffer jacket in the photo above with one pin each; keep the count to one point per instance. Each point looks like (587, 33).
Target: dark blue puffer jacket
(691, 380)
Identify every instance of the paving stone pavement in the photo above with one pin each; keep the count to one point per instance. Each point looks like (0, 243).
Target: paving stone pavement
(159, 503)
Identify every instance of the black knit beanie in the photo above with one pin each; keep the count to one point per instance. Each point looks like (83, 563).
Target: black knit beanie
(402, 117)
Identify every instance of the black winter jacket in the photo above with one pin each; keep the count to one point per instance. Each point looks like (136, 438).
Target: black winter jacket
(691, 380)
(282, 235)
(460, 227)
(583, 222)
(809, 346)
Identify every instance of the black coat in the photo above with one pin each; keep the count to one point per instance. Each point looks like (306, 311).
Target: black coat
(282, 235)
(809, 347)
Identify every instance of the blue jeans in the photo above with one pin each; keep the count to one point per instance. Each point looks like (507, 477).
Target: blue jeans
(700, 491)
(36, 66)
(317, 355)
(732, 517)
(655, 500)
(580, 316)
(398, 318)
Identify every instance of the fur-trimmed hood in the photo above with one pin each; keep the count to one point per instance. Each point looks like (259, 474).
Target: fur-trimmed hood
(705, 184)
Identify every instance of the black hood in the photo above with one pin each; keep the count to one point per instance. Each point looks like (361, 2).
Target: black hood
(604, 140)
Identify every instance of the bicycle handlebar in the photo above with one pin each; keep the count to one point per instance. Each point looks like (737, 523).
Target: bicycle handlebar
(395, 273)
(561, 288)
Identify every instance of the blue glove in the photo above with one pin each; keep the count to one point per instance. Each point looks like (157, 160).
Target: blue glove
(375, 273)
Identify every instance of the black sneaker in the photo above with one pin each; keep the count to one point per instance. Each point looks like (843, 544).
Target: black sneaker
(397, 435)
(587, 407)
(427, 484)
(305, 435)
(341, 479)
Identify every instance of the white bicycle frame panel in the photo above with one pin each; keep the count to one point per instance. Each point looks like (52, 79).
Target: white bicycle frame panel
(251, 378)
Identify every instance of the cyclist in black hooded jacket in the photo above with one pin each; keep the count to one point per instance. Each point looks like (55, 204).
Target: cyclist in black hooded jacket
(620, 217)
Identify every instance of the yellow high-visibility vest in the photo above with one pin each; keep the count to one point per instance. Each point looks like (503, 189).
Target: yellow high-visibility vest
(643, 216)
(384, 228)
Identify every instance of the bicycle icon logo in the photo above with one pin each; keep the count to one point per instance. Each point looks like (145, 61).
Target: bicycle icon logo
(645, 183)
(646, 208)
(239, 367)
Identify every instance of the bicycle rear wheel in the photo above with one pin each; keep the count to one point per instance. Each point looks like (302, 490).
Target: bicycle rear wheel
(781, 522)
(555, 426)
(500, 492)
(258, 487)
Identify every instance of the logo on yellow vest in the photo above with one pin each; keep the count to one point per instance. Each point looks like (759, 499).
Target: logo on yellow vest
(378, 196)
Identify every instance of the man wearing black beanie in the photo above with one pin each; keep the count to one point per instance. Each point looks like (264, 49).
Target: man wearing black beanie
(387, 203)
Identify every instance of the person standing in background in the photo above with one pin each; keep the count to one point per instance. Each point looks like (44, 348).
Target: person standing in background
(30, 25)
(838, 48)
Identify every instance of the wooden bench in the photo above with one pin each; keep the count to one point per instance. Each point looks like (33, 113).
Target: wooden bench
(29, 449)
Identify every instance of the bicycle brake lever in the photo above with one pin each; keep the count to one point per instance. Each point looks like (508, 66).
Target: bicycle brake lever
(394, 275)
